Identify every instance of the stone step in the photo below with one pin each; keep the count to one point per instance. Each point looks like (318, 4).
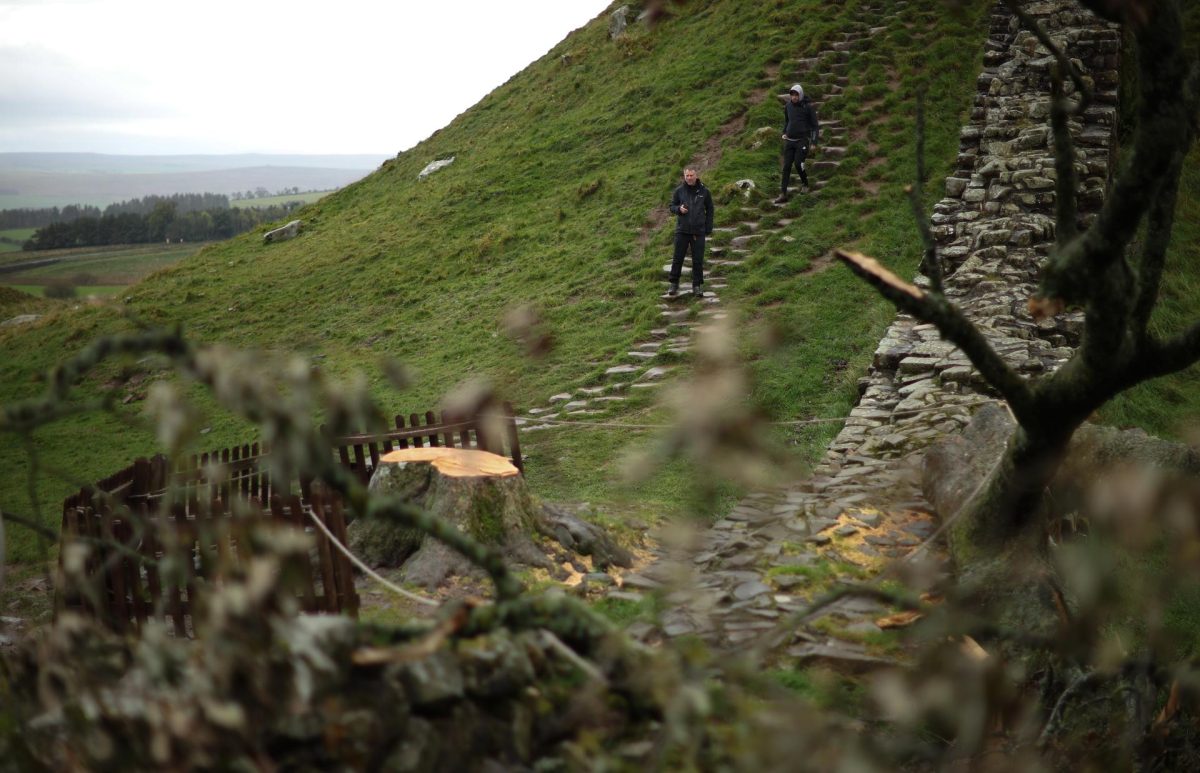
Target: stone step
(621, 370)
(743, 240)
(686, 271)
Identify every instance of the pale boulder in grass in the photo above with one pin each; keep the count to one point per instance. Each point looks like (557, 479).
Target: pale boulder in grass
(283, 233)
(433, 166)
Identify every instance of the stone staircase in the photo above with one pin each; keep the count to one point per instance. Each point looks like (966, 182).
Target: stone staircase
(649, 361)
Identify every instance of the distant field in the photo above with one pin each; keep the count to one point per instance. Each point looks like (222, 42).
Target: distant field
(94, 267)
(82, 292)
(12, 238)
(307, 198)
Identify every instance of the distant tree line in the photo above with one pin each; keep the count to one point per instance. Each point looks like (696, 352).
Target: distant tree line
(164, 223)
(262, 193)
(36, 218)
(184, 203)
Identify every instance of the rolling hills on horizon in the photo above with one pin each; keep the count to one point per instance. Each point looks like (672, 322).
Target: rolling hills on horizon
(36, 180)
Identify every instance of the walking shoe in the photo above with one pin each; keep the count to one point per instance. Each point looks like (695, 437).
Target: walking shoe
(672, 289)
(783, 199)
(697, 291)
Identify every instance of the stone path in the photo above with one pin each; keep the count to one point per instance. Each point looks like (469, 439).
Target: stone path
(863, 509)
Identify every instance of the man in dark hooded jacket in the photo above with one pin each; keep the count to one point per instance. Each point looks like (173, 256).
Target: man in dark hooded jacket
(693, 206)
(800, 132)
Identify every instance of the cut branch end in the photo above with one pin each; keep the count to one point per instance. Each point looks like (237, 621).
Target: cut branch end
(874, 272)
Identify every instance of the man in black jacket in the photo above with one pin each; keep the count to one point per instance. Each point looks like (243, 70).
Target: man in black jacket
(800, 131)
(693, 206)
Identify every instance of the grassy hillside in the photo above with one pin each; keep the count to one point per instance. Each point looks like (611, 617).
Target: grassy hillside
(551, 197)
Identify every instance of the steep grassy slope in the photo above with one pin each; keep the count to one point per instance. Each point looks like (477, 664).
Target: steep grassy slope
(556, 176)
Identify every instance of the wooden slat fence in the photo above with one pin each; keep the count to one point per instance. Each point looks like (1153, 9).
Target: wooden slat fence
(360, 453)
(203, 540)
(203, 530)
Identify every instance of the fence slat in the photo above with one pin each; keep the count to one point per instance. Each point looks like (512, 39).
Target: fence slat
(328, 580)
(113, 577)
(133, 571)
(348, 596)
(514, 443)
(430, 421)
(150, 548)
(400, 442)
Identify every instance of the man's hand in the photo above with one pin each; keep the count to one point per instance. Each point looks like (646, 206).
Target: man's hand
(683, 209)
(784, 136)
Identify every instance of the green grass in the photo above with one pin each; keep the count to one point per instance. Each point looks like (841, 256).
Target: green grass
(623, 611)
(556, 175)
(14, 302)
(1170, 406)
(823, 688)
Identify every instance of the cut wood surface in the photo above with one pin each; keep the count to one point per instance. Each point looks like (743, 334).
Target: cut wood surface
(456, 462)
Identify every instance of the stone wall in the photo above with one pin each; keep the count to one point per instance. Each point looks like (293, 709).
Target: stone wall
(994, 228)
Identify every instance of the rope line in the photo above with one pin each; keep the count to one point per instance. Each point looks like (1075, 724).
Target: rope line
(793, 423)
(368, 570)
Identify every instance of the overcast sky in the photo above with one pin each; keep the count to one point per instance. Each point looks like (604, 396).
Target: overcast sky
(259, 76)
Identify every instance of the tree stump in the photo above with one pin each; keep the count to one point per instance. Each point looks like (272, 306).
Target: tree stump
(480, 493)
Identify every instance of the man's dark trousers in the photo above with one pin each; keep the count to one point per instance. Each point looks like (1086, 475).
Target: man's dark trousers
(682, 241)
(794, 153)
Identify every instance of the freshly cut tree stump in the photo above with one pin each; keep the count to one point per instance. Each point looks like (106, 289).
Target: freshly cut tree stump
(479, 492)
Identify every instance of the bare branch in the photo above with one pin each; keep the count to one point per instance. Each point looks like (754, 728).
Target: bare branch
(950, 322)
(1160, 358)
(1164, 129)
(880, 277)
(1066, 188)
(1061, 109)
(1159, 225)
(28, 523)
(1132, 12)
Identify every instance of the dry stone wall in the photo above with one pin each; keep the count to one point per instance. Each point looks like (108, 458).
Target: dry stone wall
(863, 507)
(994, 229)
